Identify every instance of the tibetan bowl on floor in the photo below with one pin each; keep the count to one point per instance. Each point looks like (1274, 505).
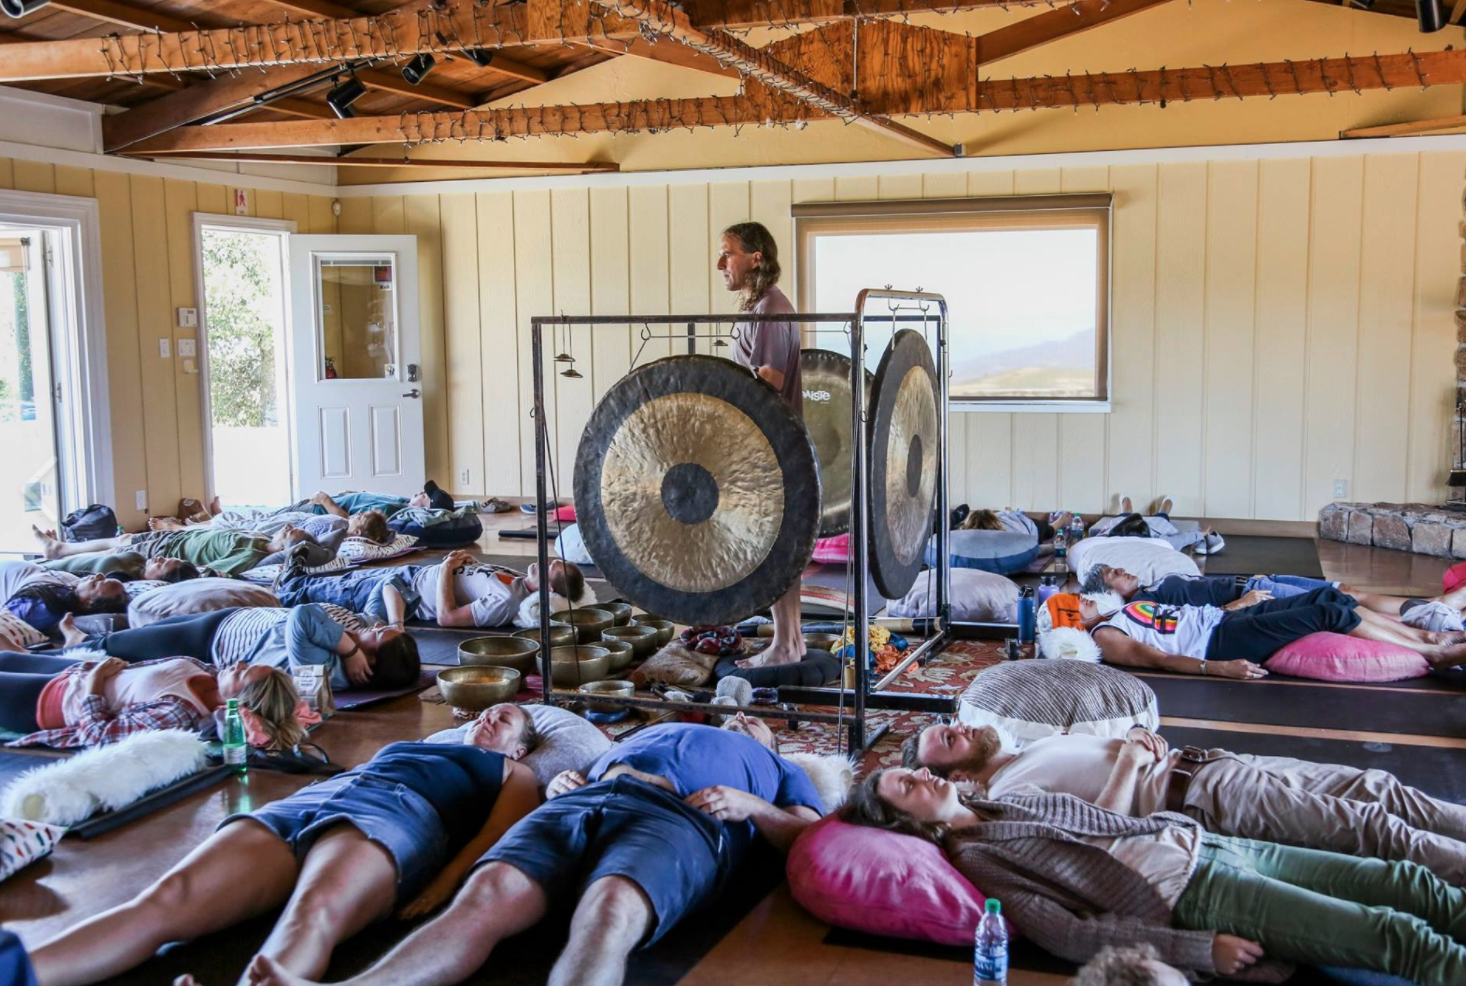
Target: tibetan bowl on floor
(664, 628)
(572, 667)
(499, 652)
(822, 641)
(619, 689)
(561, 634)
(588, 623)
(474, 689)
(643, 639)
(101, 622)
(622, 653)
(620, 612)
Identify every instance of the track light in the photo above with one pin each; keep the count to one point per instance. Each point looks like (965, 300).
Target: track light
(1361, 4)
(19, 8)
(343, 94)
(1431, 15)
(482, 57)
(417, 69)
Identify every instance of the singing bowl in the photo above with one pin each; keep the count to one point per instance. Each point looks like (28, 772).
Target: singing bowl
(621, 652)
(822, 641)
(643, 639)
(571, 667)
(620, 612)
(588, 623)
(620, 689)
(499, 652)
(664, 628)
(561, 634)
(477, 688)
(101, 622)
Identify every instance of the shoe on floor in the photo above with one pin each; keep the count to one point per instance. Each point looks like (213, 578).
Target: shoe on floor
(529, 508)
(495, 505)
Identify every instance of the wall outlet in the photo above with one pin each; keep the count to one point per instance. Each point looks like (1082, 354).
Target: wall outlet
(186, 348)
(1341, 489)
(463, 475)
(141, 497)
(163, 348)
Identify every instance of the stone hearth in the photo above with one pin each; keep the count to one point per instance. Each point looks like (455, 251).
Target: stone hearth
(1423, 528)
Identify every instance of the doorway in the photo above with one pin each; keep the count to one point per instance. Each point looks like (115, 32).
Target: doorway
(243, 359)
(28, 392)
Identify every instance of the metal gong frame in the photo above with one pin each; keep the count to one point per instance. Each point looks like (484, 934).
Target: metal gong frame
(902, 308)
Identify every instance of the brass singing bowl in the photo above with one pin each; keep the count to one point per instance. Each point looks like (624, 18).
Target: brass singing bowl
(664, 628)
(620, 612)
(622, 653)
(571, 667)
(620, 689)
(822, 641)
(642, 639)
(588, 623)
(474, 689)
(561, 634)
(499, 652)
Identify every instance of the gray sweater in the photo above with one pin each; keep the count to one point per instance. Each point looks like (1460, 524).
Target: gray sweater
(1073, 898)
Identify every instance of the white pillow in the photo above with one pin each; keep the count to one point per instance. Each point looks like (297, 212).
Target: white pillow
(977, 597)
(357, 549)
(567, 742)
(23, 842)
(17, 634)
(196, 596)
(141, 587)
(571, 546)
(1148, 559)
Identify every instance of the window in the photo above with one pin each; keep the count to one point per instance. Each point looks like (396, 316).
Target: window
(1026, 280)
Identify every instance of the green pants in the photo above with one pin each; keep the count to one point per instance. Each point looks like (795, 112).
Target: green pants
(1324, 908)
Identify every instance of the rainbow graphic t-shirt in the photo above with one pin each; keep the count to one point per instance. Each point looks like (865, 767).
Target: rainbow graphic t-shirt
(1183, 631)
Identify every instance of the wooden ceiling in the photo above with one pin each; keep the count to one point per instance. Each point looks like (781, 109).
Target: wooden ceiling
(177, 64)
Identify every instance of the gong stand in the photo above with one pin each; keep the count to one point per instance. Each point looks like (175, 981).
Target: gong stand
(904, 308)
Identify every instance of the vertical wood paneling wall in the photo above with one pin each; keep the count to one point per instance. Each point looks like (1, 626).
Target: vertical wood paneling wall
(1278, 325)
(148, 273)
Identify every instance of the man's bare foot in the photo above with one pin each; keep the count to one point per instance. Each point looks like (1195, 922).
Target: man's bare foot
(779, 652)
(265, 971)
(50, 547)
(164, 524)
(215, 507)
(70, 635)
(1456, 598)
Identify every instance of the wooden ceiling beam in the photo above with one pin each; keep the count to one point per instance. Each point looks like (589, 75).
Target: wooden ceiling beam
(1405, 129)
(194, 103)
(319, 9)
(122, 14)
(1045, 28)
(670, 54)
(391, 80)
(569, 167)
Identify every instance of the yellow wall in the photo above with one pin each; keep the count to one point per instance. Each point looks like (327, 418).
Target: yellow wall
(148, 273)
(1277, 325)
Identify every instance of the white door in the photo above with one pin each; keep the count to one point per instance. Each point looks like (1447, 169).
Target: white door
(355, 364)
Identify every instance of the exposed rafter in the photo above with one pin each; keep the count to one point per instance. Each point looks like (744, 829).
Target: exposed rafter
(1444, 124)
(316, 8)
(122, 14)
(1050, 26)
(547, 167)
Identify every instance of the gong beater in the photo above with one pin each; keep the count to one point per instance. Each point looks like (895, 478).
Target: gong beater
(826, 385)
(696, 490)
(903, 462)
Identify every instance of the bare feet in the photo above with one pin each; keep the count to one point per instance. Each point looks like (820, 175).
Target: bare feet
(215, 507)
(265, 971)
(70, 635)
(185, 980)
(779, 652)
(50, 547)
(164, 524)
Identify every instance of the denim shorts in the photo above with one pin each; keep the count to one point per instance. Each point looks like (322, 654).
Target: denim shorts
(392, 815)
(679, 856)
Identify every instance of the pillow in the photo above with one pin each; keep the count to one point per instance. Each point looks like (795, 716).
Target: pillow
(1039, 698)
(977, 597)
(17, 634)
(1453, 577)
(571, 546)
(883, 883)
(991, 551)
(564, 515)
(1340, 657)
(196, 596)
(141, 587)
(439, 528)
(1148, 559)
(817, 668)
(676, 665)
(360, 550)
(832, 551)
(568, 742)
(23, 842)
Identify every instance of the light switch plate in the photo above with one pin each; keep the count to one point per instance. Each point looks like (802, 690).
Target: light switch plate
(188, 318)
(141, 499)
(186, 348)
(163, 347)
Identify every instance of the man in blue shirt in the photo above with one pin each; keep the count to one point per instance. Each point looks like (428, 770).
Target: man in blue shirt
(650, 834)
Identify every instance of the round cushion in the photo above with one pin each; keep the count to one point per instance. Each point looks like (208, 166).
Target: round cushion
(438, 528)
(977, 597)
(1340, 657)
(991, 551)
(571, 546)
(882, 882)
(832, 551)
(564, 514)
(1453, 577)
(1148, 559)
(196, 596)
(1038, 698)
(818, 668)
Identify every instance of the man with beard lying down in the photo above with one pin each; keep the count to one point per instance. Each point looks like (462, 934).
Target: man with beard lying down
(653, 831)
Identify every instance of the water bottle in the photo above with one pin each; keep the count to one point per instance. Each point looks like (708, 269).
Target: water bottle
(236, 750)
(1047, 586)
(1061, 542)
(1027, 616)
(990, 957)
(1076, 529)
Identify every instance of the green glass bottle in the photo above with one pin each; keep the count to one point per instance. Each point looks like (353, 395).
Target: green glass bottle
(236, 749)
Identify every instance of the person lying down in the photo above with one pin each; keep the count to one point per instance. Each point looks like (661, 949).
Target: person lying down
(227, 552)
(398, 833)
(326, 529)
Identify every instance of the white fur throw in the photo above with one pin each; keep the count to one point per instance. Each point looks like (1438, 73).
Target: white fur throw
(1069, 643)
(832, 775)
(66, 792)
(529, 610)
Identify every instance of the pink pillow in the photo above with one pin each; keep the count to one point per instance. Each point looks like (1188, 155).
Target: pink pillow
(882, 883)
(566, 514)
(1338, 657)
(832, 551)
(1453, 577)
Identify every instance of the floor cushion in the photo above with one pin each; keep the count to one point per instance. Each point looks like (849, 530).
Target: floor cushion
(196, 596)
(1038, 698)
(883, 883)
(1148, 559)
(438, 528)
(571, 546)
(358, 550)
(819, 667)
(832, 551)
(23, 842)
(567, 742)
(17, 634)
(977, 596)
(1339, 657)
(564, 515)
(1453, 577)
(991, 551)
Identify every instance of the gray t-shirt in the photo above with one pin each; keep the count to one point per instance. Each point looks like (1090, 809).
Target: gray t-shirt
(774, 344)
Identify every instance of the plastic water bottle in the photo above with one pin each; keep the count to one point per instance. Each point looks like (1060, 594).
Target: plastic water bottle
(990, 957)
(1061, 542)
(236, 750)
(1027, 616)
(1076, 529)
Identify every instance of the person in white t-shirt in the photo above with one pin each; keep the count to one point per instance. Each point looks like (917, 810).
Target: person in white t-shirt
(1279, 799)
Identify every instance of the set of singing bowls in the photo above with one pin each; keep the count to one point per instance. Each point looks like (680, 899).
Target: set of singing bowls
(571, 667)
(642, 639)
(588, 623)
(620, 612)
(664, 628)
(822, 641)
(561, 634)
(499, 652)
(621, 652)
(474, 689)
(618, 689)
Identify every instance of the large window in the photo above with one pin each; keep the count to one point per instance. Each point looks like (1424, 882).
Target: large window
(1026, 281)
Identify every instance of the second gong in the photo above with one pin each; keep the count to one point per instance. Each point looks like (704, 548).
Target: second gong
(826, 384)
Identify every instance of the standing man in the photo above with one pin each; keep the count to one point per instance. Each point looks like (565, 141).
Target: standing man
(749, 260)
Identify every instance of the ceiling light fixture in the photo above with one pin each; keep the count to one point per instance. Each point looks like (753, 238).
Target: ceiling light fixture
(19, 8)
(343, 94)
(1431, 15)
(417, 69)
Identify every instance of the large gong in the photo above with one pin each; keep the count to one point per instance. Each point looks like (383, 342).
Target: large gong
(903, 462)
(825, 380)
(696, 490)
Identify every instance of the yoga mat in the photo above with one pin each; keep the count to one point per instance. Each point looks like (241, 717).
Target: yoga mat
(1248, 555)
(13, 763)
(519, 533)
(356, 698)
(149, 803)
(1404, 707)
(439, 645)
(1434, 770)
